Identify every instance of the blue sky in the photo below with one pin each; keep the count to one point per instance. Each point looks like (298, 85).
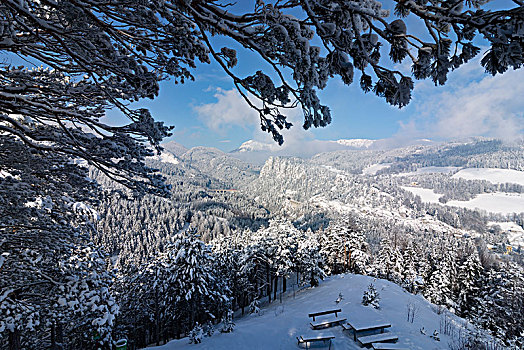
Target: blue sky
(209, 112)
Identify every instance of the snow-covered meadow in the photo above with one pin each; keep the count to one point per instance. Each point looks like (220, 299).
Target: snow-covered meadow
(492, 175)
(501, 203)
(279, 324)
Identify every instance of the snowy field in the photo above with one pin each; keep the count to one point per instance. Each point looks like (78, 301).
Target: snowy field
(515, 232)
(425, 194)
(280, 324)
(372, 169)
(502, 203)
(492, 175)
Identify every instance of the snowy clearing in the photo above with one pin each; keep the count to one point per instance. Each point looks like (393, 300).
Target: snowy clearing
(492, 175)
(280, 324)
(503, 203)
(425, 194)
(515, 232)
(373, 169)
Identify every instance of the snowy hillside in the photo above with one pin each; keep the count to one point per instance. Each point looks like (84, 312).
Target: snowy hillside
(280, 323)
(166, 157)
(492, 175)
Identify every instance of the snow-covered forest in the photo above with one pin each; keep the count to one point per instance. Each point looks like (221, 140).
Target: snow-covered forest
(292, 222)
(223, 246)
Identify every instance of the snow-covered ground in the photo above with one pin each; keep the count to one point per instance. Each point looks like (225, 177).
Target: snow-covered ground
(280, 324)
(492, 175)
(425, 194)
(514, 232)
(503, 203)
(372, 169)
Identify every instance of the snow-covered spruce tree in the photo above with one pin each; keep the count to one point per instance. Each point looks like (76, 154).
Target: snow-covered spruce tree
(501, 302)
(286, 246)
(308, 259)
(344, 247)
(440, 282)
(371, 297)
(51, 276)
(409, 272)
(192, 291)
(177, 289)
(255, 266)
(228, 260)
(388, 262)
(468, 285)
(104, 54)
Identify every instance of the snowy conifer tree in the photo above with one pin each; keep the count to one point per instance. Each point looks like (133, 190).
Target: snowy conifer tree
(371, 297)
(308, 259)
(468, 284)
(50, 272)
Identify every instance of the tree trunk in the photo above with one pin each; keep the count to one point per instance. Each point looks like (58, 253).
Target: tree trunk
(60, 336)
(53, 336)
(243, 302)
(157, 318)
(269, 283)
(284, 284)
(276, 287)
(14, 340)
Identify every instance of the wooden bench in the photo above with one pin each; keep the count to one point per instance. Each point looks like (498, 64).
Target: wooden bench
(377, 338)
(386, 346)
(317, 337)
(327, 323)
(315, 314)
(365, 327)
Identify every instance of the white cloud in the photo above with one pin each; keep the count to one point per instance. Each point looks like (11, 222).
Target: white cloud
(230, 109)
(471, 104)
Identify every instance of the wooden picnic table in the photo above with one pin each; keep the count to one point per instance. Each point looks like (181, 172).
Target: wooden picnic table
(327, 312)
(327, 323)
(365, 326)
(377, 338)
(316, 337)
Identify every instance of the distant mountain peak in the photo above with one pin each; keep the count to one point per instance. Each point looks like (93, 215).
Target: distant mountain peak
(175, 148)
(256, 146)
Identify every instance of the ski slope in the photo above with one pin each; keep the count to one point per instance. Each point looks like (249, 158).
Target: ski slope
(280, 324)
(492, 175)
